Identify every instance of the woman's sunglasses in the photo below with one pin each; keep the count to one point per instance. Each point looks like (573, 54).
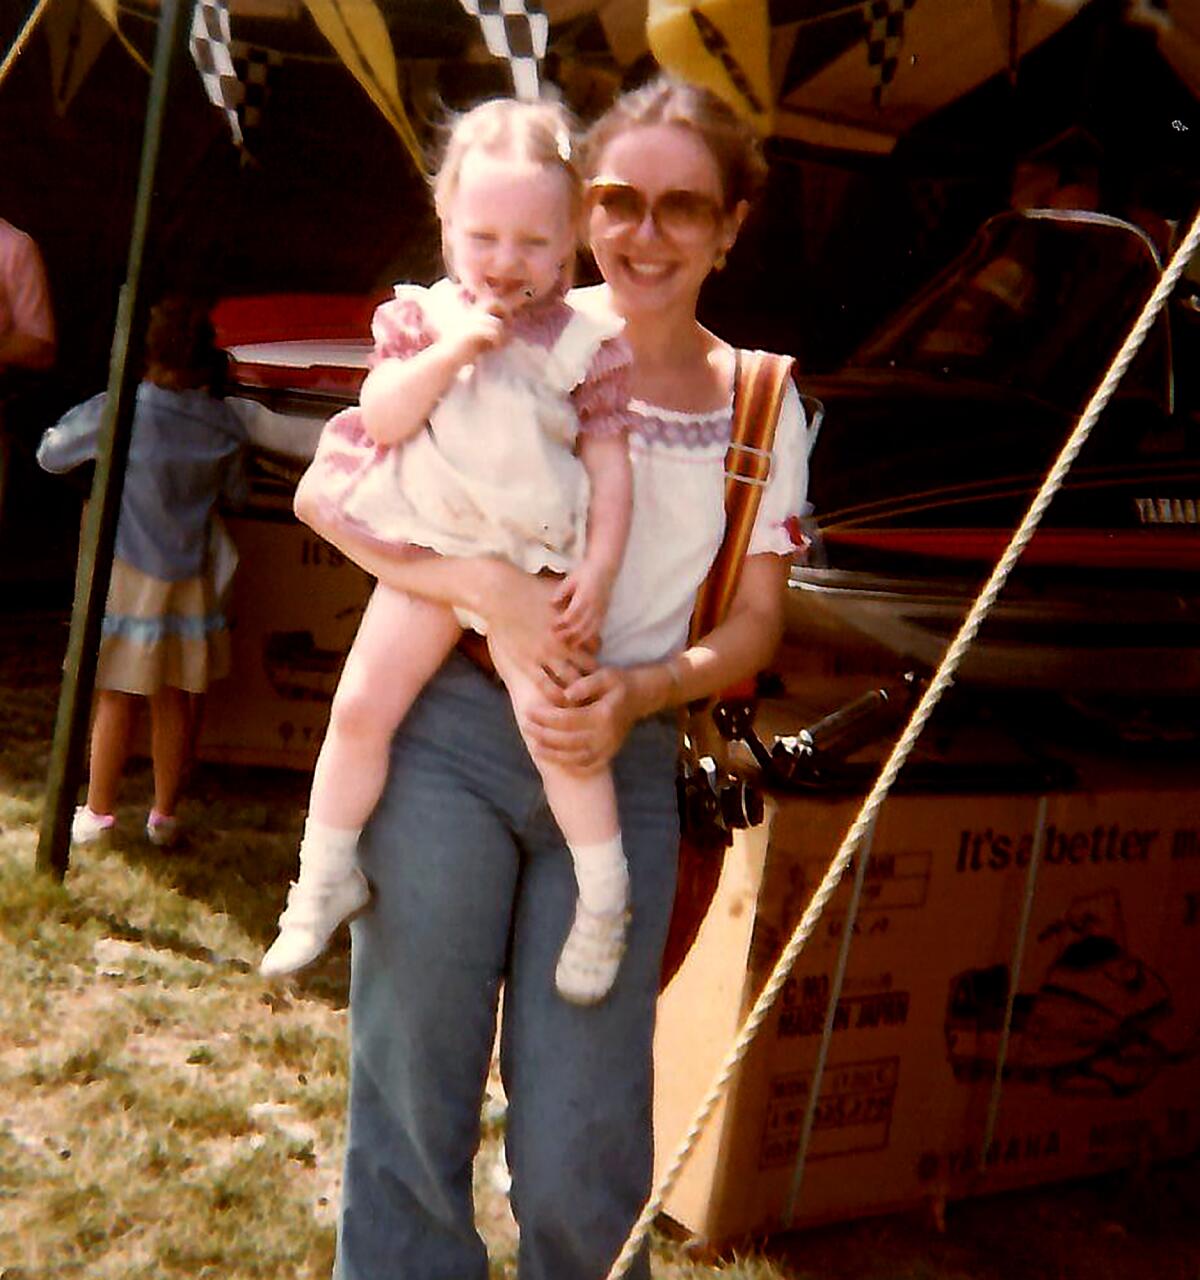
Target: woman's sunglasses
(677, 214)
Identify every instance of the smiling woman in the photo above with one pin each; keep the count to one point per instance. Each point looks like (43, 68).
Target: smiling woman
(473, 890)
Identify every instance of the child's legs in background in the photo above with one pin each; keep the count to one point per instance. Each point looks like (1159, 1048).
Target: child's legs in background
(401, 642)
(170, 744)
(583, 804)
(111, 730)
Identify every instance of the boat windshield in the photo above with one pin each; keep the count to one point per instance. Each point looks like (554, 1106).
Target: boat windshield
(1039, 302)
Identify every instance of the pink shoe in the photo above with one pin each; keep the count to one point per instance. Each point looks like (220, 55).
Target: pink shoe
(161, 830)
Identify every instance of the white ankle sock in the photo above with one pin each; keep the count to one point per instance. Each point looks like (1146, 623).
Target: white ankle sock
(602, 875)
(327, 853)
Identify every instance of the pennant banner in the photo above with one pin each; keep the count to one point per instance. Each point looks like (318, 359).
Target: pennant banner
(722, 45)
(885, 35)
(360, 37)
(253, 66)
(75, 33)
(516, 30)
(108, 11)
(212, 52)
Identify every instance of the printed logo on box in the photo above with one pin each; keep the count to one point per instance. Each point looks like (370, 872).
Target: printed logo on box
(1005, 1150)
(990, 850)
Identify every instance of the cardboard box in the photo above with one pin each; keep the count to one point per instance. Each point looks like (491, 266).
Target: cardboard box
(296, 605)
(1104, 1059)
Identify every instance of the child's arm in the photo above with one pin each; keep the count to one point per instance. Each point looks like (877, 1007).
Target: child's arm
(585, 592)
(74, 438)
(398, 395)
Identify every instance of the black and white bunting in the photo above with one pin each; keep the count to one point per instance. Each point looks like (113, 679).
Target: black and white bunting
(212, 52)
(516, 30)
(885, 35)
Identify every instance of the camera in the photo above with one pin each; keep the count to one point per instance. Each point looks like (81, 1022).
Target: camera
(713, 805)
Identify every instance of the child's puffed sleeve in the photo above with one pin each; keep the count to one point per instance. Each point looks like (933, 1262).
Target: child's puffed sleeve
(401, 325)
(601, 397)
(73, 438)
(787, 486)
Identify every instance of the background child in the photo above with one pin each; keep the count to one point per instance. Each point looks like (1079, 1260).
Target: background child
(491, 424)
(164, 636)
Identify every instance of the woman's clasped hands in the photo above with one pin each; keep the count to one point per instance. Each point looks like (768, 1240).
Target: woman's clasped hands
(585, 710)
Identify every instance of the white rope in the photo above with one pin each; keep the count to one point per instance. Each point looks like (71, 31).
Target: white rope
(939, 683)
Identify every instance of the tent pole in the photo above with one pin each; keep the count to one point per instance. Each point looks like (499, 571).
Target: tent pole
(100, 526)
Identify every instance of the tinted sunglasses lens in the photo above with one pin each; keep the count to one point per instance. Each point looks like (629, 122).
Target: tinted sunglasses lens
(622, 206)
(686, 214)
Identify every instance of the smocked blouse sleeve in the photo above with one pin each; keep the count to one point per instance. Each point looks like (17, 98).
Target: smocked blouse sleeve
(786, 489)
(401, 325)
(601, 397)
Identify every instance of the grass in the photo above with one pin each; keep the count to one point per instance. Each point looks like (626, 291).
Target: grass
(163, 1114)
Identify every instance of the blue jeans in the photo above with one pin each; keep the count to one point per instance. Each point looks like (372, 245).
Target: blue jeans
(474, 886)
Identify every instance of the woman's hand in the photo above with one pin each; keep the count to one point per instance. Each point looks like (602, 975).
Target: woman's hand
(521, 612)
(585, 733)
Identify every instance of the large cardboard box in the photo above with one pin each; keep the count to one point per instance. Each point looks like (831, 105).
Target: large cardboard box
(295, 608)
(1103, 1066)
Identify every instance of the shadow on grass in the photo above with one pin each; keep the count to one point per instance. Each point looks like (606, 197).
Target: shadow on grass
(240, 826)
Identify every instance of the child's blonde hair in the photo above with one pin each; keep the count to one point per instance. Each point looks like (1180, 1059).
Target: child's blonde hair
(540, 133)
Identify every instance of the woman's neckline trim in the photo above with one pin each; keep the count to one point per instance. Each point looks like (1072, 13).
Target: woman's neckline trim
(647, 410)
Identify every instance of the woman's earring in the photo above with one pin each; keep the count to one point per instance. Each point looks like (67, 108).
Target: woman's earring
(719, 260)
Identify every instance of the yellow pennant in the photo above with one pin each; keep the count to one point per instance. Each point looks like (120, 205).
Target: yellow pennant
(360, 37)
(722, 45)
(76, 35)
(108, 10)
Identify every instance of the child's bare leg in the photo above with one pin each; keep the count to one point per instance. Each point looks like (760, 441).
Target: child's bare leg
(401, 643)
(169, 745)
(110, 747)
(585, 807)
(111, 730)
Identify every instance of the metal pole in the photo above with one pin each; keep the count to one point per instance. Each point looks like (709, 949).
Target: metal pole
(100, 527)
(835, 994)
(1014, 981)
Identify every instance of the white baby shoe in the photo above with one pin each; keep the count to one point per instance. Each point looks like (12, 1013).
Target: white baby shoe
(591, 955)
(315, 907)
(88, 827)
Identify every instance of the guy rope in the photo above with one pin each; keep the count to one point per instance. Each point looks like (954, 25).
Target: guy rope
(939, 683)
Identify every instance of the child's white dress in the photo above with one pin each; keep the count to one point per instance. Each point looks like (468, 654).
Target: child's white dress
(495, 471)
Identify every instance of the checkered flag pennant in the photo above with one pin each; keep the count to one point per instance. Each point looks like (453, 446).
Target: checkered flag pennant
(253, 67)
(885, 34)
(516, 30)
(212, 52)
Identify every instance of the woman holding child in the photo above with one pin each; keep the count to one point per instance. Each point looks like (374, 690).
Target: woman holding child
(473, 889)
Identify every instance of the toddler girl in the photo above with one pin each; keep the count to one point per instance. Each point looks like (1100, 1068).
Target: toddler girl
(492, 423)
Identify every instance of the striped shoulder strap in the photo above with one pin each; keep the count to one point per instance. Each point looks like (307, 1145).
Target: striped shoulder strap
(760, 381)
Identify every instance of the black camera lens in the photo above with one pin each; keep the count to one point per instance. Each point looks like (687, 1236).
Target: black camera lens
(741, 804)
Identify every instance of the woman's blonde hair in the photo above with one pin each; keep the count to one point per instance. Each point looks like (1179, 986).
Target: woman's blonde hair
(730, 140)
(540, 133)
